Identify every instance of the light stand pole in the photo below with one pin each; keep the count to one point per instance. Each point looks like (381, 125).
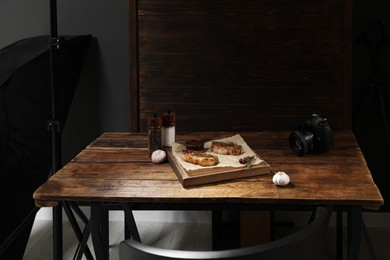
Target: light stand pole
(54, 125)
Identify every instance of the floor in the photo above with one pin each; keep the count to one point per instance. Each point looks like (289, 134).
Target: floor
(186, 236)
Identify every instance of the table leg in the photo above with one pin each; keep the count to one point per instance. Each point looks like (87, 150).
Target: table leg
(339, 234)
(83, 243)
(255, 228)
(81, 236)
(104, 225)
(57, 233)
(225, 229)
(131, 226)
(355, 220)
(216, 216)
(99, 245)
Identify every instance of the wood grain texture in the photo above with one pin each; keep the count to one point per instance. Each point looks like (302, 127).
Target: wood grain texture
(241, 65)
(113, 169)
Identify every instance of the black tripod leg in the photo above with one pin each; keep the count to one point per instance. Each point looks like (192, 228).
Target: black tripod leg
(29, 218)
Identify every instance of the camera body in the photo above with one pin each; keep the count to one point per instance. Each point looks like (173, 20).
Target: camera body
(311, 135)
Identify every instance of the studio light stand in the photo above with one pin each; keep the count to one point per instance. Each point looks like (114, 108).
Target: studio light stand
(374, 39)
(55, 127)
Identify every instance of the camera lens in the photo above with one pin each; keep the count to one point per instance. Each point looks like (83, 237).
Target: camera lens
(301, 143)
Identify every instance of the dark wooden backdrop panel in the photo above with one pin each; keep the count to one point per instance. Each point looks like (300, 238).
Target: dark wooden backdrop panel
(240, 65)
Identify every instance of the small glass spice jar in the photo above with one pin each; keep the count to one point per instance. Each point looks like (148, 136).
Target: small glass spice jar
(154, 133)
(168, 129)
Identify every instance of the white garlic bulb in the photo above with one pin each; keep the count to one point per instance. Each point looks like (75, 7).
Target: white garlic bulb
(281, 179)
(159, 156)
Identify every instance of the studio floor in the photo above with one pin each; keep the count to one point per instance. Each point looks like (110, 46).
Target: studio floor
(179, 235)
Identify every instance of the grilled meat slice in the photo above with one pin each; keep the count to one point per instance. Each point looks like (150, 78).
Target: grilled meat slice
(226, 148)
(200, 158)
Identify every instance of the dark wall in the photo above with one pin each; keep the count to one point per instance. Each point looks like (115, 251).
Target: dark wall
(101, 101)
(96, 106)
(368, 120)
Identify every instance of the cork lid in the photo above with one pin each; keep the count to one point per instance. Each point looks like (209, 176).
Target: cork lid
(155, 121)
(169, 118)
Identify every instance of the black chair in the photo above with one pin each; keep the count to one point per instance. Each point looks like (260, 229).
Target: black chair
(25, 142)
(306, 243)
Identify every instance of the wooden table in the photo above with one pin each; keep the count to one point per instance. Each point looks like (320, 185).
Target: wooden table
(115, 168)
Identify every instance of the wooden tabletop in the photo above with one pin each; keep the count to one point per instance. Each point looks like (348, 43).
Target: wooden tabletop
(116, 168)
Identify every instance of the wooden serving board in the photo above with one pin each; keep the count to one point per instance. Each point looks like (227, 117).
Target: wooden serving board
(216, 174)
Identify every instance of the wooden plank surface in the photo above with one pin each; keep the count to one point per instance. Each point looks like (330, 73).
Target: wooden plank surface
(112, 169)
(286, 58)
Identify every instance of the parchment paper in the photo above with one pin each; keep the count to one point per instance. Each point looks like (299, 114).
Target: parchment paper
(224, 160)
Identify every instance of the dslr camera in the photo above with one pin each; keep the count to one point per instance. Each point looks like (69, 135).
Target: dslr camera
(311, 135)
